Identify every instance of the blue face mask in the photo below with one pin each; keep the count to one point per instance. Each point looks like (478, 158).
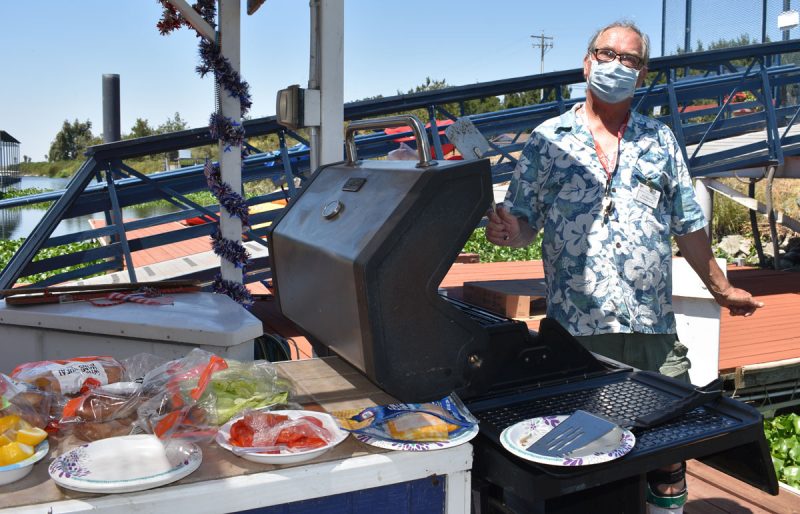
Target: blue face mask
(612, 82)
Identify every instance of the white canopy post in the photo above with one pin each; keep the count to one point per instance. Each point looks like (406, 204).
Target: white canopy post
(230, 157)
(330, 61)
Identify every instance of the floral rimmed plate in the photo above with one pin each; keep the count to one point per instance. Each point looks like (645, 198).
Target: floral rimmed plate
(125, 464)
(522, 435)
(411, 446)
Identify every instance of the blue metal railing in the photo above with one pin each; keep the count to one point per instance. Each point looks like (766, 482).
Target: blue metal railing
(699, 108)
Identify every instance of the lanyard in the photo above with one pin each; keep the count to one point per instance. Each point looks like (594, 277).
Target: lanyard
(608, 203)
(602, 156)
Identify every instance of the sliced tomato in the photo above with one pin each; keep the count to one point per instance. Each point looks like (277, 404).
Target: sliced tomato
(313, 420)
(241, 434)
(308, 443)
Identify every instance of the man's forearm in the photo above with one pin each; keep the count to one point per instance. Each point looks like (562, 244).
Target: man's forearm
(696, 249)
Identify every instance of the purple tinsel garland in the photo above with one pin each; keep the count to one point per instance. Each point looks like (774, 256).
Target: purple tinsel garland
(226, 129)
(231, 251)
(238, 292)
(227, 77)
(230, 200)
(229, 132)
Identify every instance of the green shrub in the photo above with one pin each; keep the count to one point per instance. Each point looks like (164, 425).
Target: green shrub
(489, 252)
(8, 247)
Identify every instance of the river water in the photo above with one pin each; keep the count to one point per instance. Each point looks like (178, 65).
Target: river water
(20, 222)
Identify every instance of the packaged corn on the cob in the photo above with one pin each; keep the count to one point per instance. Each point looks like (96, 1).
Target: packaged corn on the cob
(435, 421)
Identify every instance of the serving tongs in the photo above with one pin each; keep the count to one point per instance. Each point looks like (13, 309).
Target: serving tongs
(583, 428)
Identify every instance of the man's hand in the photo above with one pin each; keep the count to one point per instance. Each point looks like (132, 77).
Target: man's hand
(504, 229)
(738, 301)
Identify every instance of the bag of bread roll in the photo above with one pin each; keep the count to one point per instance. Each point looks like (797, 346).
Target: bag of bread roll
(103, 412)
(70, 376)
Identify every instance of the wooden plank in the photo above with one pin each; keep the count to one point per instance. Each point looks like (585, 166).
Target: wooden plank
(520, 298)
(768, 373)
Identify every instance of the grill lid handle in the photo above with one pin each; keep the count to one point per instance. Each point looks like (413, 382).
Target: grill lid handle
(403, 120)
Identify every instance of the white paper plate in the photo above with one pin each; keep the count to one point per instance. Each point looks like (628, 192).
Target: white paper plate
(412, 446)
(19, 470)
(339, 435)
(613, 445)
(124, 464)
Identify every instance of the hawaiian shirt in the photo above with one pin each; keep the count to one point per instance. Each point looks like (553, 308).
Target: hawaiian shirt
(607, 271)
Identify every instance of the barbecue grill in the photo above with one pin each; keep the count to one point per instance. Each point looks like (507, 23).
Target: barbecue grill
(357, 258)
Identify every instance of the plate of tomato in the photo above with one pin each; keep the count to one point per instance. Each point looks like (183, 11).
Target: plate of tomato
(280, 436)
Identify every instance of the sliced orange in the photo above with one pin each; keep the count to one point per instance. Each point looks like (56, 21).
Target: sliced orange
(31, 436)
(8, 422)
(4, 439)
(12, 453)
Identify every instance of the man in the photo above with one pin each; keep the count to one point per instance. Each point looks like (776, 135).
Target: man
(609, 186)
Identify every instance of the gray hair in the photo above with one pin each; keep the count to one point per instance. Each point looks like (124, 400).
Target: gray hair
(624, 24)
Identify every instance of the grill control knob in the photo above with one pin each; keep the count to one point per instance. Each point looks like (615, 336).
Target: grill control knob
(332, 209)
(475, 361)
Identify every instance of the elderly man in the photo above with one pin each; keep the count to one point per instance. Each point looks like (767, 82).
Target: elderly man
(609, 187)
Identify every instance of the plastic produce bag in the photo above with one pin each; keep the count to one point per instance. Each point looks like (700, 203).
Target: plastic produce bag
(245, 385)
(267, 432)
(190, 397)
(26, 401)
(173, 391)
(102, 412)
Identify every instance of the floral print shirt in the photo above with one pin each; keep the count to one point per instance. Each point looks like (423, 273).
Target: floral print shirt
(606, 273)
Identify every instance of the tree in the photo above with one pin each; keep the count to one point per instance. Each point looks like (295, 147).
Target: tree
(71, 141)
(174, 124)
(141, 128)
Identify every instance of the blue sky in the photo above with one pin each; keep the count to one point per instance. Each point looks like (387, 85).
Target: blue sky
(55, 53)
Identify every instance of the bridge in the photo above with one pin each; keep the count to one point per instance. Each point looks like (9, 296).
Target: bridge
(734, 112)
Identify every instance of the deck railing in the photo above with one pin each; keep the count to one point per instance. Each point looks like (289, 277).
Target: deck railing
(704, 97)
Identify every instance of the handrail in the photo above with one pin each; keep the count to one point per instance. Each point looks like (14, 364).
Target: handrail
(668, 91)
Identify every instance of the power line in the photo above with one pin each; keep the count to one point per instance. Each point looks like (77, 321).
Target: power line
(544, 44)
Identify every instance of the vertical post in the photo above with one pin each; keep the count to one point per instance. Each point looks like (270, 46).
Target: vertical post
(664, 26)
(787, 5)
(331, 66)
(687, 38)
(111, 116)
(763, 21)
(313, 81)
(705, 198)
(111, 133)
(230, 159)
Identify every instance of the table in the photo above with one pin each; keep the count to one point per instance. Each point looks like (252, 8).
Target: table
(351, 478)
(209, 321)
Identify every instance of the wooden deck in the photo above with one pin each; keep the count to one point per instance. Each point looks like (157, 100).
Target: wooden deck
(162, 253)
(714, 492)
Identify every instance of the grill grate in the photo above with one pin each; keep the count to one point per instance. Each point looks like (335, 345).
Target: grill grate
(622, 401)
(481, 316)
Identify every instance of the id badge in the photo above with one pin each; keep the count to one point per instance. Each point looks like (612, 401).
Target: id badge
(647, 195)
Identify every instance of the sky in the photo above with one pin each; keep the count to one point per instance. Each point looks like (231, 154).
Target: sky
(54, 54)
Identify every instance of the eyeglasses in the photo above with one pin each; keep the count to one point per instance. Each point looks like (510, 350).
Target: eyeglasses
(628, 60)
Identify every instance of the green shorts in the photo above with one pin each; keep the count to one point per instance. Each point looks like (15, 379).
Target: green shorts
(652, 352)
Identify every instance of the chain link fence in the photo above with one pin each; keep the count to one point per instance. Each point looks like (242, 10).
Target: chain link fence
(697, 25)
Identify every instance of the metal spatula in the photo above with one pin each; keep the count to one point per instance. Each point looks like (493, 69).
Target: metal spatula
(575, 432)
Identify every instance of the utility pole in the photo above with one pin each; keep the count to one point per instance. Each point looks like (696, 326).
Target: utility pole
(544, 44)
